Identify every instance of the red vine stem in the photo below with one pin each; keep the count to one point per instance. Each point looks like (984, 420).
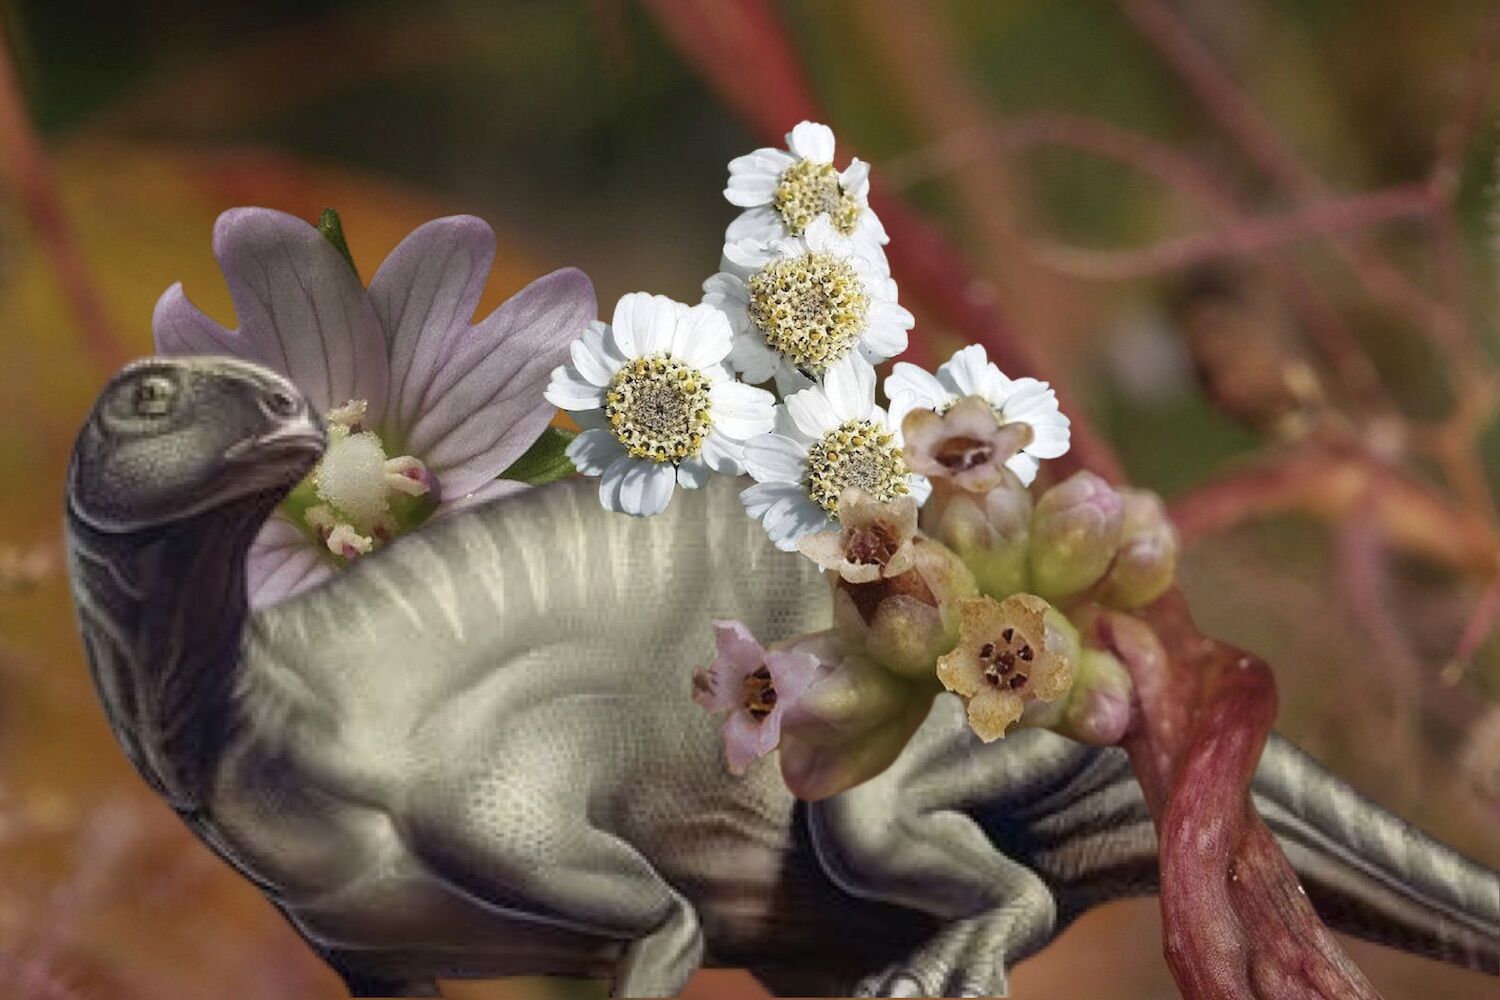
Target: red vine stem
(1238, 925)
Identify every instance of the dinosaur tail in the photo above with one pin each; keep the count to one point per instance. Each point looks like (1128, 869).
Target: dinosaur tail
(1368, 873)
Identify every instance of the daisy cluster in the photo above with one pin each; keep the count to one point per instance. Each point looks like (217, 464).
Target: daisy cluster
(772, 373)
(946, 574)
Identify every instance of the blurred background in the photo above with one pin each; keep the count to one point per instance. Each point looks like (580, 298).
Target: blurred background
(1253, 244)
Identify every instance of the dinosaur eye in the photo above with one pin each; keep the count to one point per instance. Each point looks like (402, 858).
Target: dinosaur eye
(280, 404)
(152, 396)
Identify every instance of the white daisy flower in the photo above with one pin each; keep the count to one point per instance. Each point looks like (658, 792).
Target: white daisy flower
(970, 373)
(659, 406)
(784, 190)
(799, 305)
(828, 437)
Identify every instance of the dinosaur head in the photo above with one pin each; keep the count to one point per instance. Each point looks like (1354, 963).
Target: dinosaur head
(171, 438)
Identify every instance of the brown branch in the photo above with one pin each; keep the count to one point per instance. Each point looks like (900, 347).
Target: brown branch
(24, 166)
(1322, 323)
(1246, 238)
(1328, 478)
(1233, 111)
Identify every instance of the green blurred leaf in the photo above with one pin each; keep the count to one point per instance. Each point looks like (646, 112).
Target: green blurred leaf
(545, 461)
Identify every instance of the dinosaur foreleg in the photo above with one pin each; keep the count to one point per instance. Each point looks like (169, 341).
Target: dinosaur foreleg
(902, 838)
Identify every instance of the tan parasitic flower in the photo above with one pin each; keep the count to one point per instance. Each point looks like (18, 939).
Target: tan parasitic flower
(873, 539)
(1009, 653)
(965, 444)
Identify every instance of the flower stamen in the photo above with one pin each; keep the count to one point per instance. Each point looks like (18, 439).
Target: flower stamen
(807, 190)
(658, 408)
(810, 308)
(859, 453)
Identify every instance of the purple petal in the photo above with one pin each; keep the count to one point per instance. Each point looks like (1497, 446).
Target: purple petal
(738, 647)
(180, 328)
(485, 406)
(301, 308)
(493, 490)
(282, 562)
(425, 294)
(745, 740)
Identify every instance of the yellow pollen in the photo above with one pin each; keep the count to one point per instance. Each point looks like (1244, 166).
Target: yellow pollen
(658, 408)
(857, 453)
(811, 308)
(806, 190)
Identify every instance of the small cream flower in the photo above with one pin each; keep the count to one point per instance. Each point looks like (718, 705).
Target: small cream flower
(872, 541)
(802, 304)
(829, 437)
(659, 406)
(1008, 653)
(970, 373)
(784, 190)
(967, 445)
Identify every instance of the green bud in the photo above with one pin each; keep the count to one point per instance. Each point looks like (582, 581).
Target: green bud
(332, 229)
(1075, 531)
(905, 622)
(850, 725)
(1097, 710)
(990, 532)
(1147, 561)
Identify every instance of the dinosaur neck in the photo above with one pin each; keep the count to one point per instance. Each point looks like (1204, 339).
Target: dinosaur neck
(162, 611)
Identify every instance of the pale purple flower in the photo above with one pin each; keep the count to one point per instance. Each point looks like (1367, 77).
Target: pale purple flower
(443, 405)
(756, 686)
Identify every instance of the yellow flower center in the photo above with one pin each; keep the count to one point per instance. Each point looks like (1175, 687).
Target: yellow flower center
(857, 453)
(811, 308)
(658, 408)
(806, 190)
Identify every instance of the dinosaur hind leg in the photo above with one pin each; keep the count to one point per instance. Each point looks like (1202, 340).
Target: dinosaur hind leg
(528, 852)
(900, 840)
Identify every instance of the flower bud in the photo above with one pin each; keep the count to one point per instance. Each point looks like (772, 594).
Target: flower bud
(1147, 560)
(1097, 710)
(1009, 653)
(851, 724)
(1075, 532)
(872, 540)
(905, 622)
(966, 445)
(990, 531)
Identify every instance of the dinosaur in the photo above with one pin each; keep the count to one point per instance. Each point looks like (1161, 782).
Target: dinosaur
(474, 753)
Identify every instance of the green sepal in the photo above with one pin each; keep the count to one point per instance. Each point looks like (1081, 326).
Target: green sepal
(332, 229)
(546, 461)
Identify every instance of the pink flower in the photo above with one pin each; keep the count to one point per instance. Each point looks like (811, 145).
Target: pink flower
(425, 407)
(756, 686)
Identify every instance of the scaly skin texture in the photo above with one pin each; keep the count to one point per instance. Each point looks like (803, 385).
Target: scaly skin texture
(475, 754)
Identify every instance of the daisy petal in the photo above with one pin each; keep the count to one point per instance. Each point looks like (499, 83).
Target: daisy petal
(791, 518)
(594, 451)
(724, 456)
(774, 458)
(850, 384)
(701, 337)
(646, 487)
(486, 406)
(302, 308)
(643, 323)
(856, 179)
(967, 373)
(760, 223)
(811, 141)
(568, 390)
(693, 472)
(763, 496)
(741, 411)
(1025, 467)
(812, 412)
(424, 294)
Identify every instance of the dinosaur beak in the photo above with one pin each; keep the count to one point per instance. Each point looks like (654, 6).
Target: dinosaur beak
(297, 438)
